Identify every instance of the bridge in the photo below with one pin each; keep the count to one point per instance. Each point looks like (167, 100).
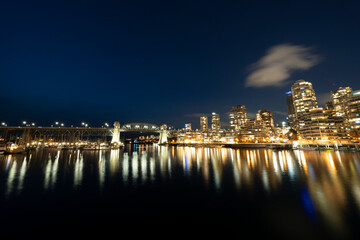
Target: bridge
(28, 134)
(140, 127)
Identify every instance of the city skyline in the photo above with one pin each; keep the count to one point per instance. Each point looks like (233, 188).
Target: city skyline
(238, 114)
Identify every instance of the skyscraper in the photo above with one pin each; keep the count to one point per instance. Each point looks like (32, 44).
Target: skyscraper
(265, 121)
(340, 98)
(304, 100)
(303, 96)
(204, 124)
(237, 117)
(266, 117)
(354, 112)
(215, 122)
(290, 109)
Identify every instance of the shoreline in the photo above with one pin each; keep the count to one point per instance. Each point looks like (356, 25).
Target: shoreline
(275, 146)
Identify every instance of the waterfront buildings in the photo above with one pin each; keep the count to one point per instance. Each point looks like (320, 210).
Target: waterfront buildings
(338, 122)
(334, 123)
(315, 125)
(260, 129)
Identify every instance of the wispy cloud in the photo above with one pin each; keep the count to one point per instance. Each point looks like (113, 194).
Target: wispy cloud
(280, 61)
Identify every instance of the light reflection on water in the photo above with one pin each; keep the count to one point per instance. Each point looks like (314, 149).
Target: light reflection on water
(327, 183)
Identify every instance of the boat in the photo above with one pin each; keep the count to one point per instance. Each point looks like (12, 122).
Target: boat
(14, 148)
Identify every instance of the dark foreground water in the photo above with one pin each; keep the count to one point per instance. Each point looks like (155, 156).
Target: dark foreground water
(170, 192)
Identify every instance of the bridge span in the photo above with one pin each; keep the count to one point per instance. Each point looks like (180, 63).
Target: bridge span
(28, 134)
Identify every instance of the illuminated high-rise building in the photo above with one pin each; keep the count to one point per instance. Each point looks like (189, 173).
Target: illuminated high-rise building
(320, 124)
(266, 117)
(340, 98)
(354, 112)
(290, 109)
(303, 96)
(204, 124)
(265, 123)
(304, 100)
(215, 122)
(188, 126)
(238, 118)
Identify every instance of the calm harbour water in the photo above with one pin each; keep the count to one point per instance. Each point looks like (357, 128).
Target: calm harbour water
(184, 190)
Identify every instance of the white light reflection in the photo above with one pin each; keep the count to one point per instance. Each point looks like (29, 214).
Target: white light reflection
(54, 170)
(11, 178)
(143, 167)
(216, 165)
(265, 180)
(291, 166)
(47, 173)
(125, 168)
(134, 168)
(78, 170)
(236, 168)
(163, 159)
(102, 169)
(114, 161)
(22, 175)
(152, 169)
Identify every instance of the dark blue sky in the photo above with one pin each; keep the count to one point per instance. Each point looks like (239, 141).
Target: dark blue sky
(162, 61)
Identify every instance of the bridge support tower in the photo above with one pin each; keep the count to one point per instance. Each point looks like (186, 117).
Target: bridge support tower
(115, 141)
(163, 134)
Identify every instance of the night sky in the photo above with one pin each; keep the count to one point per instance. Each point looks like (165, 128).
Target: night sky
(169, 61)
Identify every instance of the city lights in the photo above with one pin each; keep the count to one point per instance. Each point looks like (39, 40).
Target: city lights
(306, 123)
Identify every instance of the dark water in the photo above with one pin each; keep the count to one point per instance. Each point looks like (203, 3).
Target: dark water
(168, 192)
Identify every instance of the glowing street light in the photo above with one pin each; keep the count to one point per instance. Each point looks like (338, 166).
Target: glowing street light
(62, 124)
(3, 124)
(33, 124)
